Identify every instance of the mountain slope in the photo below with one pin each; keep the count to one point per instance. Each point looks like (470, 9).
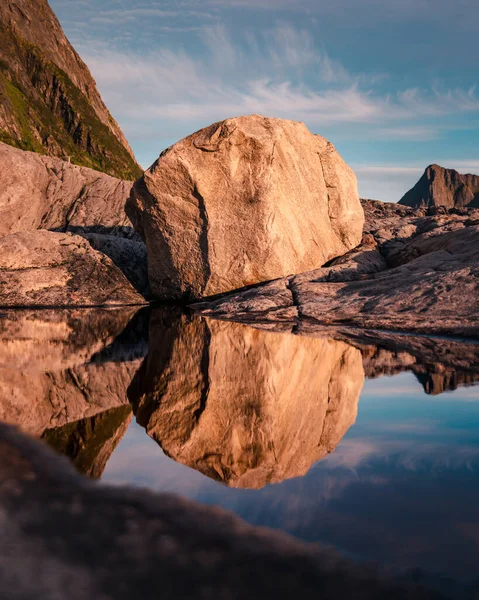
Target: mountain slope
(444, 187)
(49, 102)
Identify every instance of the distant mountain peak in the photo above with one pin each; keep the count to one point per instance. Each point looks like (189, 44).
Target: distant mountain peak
(49, 102)
(440, 186)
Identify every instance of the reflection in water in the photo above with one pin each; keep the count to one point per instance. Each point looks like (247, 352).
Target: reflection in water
(248, 408)
(89, 443)
(64, 377)
(242, 405)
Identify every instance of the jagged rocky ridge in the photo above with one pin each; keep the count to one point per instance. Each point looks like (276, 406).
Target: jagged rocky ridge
(49, 102)
(443, 187)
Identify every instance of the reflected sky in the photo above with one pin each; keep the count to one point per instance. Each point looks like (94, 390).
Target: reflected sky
(402, 486)
(313, 435)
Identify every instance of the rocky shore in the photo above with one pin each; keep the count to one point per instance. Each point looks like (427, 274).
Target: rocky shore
(415, 270)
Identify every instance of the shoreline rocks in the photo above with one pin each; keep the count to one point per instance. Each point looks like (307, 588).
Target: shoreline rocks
(243, 201)
(46, 269)
(412, 272)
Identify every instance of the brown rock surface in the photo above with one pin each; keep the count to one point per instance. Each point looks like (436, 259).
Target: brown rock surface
(38, 192)
(64, 377)
(412, 272)
(245, 406)
(53, 339)
(443, 187)
(42, 268)
(89, 443)
(243, 201)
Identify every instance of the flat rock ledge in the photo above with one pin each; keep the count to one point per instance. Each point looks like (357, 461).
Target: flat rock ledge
(66, 536)
(46, 269)
(415, 270)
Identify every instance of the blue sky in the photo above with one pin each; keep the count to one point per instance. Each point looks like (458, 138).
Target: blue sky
(392, 83)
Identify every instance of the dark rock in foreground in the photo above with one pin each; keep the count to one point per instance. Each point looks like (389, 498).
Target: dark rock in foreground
(42, 268)
(412, 272)
(66, 537)
(443, 187)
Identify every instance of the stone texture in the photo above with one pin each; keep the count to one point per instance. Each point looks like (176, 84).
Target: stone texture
(49, 100)
(412, 272)
(59, 339)
(64, 536)
(244, 406)
(443, 187)
(129, 255)
(42, 268)
(243, 201)
(40, 192)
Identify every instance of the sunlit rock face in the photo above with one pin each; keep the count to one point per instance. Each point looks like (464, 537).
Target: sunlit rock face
(64, 376)
(244, 406)
(243, 201)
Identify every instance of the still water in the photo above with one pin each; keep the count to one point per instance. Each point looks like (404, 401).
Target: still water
(370, 445)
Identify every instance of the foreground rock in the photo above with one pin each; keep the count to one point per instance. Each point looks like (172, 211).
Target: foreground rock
(41, 192)
(63, 536)
(243, 201)
(412, 272)
(443, 187)
(243, 406)
(42, 268)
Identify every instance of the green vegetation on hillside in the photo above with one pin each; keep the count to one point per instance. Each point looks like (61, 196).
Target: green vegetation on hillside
(47, 113)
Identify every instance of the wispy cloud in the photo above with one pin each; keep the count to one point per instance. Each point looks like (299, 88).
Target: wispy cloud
(255, 75)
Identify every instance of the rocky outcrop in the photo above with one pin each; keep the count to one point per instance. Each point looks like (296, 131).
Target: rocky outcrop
(443, 187)
(42, 268)
(412, 272)
(39, 192)
(64, 536)
(245, 406)
(243, 201)
(49, 100)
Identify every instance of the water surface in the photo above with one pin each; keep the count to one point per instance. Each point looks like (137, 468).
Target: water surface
(369, 445)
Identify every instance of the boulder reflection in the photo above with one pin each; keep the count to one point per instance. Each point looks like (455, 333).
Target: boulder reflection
(244, 406)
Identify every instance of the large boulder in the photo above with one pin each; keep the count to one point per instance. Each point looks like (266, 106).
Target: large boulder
(43, 268)
(243, 201)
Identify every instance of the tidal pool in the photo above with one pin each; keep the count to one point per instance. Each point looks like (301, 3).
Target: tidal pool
(368, 444)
